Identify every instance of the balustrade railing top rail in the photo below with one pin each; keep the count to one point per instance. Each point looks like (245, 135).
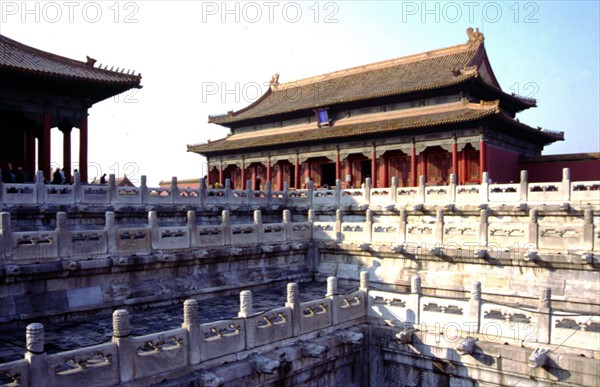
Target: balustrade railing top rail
(487, 192)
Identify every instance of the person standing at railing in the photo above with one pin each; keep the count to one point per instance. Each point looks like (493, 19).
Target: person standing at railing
(57, 177)
(103, 179)
(7, 174)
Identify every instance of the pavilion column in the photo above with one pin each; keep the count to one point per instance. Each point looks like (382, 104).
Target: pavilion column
(413, 165)
(221, 173)
(66, 130)
(44, 156)
(253, 177)
(83, 149)
(208, 171)
(243, 174)
(348, 172)
(423, 164)
(482, 157)
(280, 177)
(297, 172)
(455, 160)
(373, 168)
(338, 165)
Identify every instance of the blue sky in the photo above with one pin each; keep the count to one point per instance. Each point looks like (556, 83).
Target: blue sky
(200, 58)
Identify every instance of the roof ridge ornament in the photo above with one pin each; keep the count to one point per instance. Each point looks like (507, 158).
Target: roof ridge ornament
(474, 36)
(274, 81)
(90, 61)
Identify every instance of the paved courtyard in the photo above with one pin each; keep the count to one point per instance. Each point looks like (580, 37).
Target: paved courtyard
(97, 330)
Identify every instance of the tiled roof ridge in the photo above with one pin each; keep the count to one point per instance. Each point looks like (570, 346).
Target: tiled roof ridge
(89, 64)
(377, 65)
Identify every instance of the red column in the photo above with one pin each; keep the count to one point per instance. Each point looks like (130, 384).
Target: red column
(455, 161)
(83, 149)
(383, 171)
(423, 164)
(349, 172)
(253, 177)
(280, 177)
(297, 173)
(338, 166)
(373, 168)
(413, 165)
(221, 173)
(67, 152)
(243, 174)
(482, 158)
(208, 171)
(44, 157)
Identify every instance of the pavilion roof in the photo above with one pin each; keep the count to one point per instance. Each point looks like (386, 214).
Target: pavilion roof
(415, 73)
(18, 58)
(394, 122)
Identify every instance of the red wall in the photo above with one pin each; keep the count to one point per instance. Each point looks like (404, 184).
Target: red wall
(503, 165)
(552, 171)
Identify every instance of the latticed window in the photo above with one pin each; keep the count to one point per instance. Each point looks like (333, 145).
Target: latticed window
(439, 167)
(472, 162)
(400, 167)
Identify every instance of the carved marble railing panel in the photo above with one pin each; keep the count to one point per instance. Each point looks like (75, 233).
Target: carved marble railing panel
(323, 196)
(173, 238)
(460, 231)
(218, 196)
(243, 234)
(258, 197)
(423, 232)
(386, 233)
(301, 231)
(392, 306)
(299, 198)
(468, 194)
(315, 315)
(160, 352)
(273, 232)
(560, 236)
(239, 196)
(129, 195)
(220, 338)
(324, 231)
(442, 313)
(210, 235)
(508, 233)
(59, 194)
(97, 365)
(87, 244)
(352, 306)
(95, 194)
(579, 331)
(354, 232)
(509, 323)
(134, 241)
(352, 197)
(14, 373)
(408, 195)
(437, 194)
(381, 196)
(34, 246)
(278, 198)
(188, 196)
(504, 193)
(160, 196)
(585, 191)
(19, 193)
(544, 192)
(269, 326)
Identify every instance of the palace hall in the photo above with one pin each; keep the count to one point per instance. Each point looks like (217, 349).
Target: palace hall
(432, 114)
